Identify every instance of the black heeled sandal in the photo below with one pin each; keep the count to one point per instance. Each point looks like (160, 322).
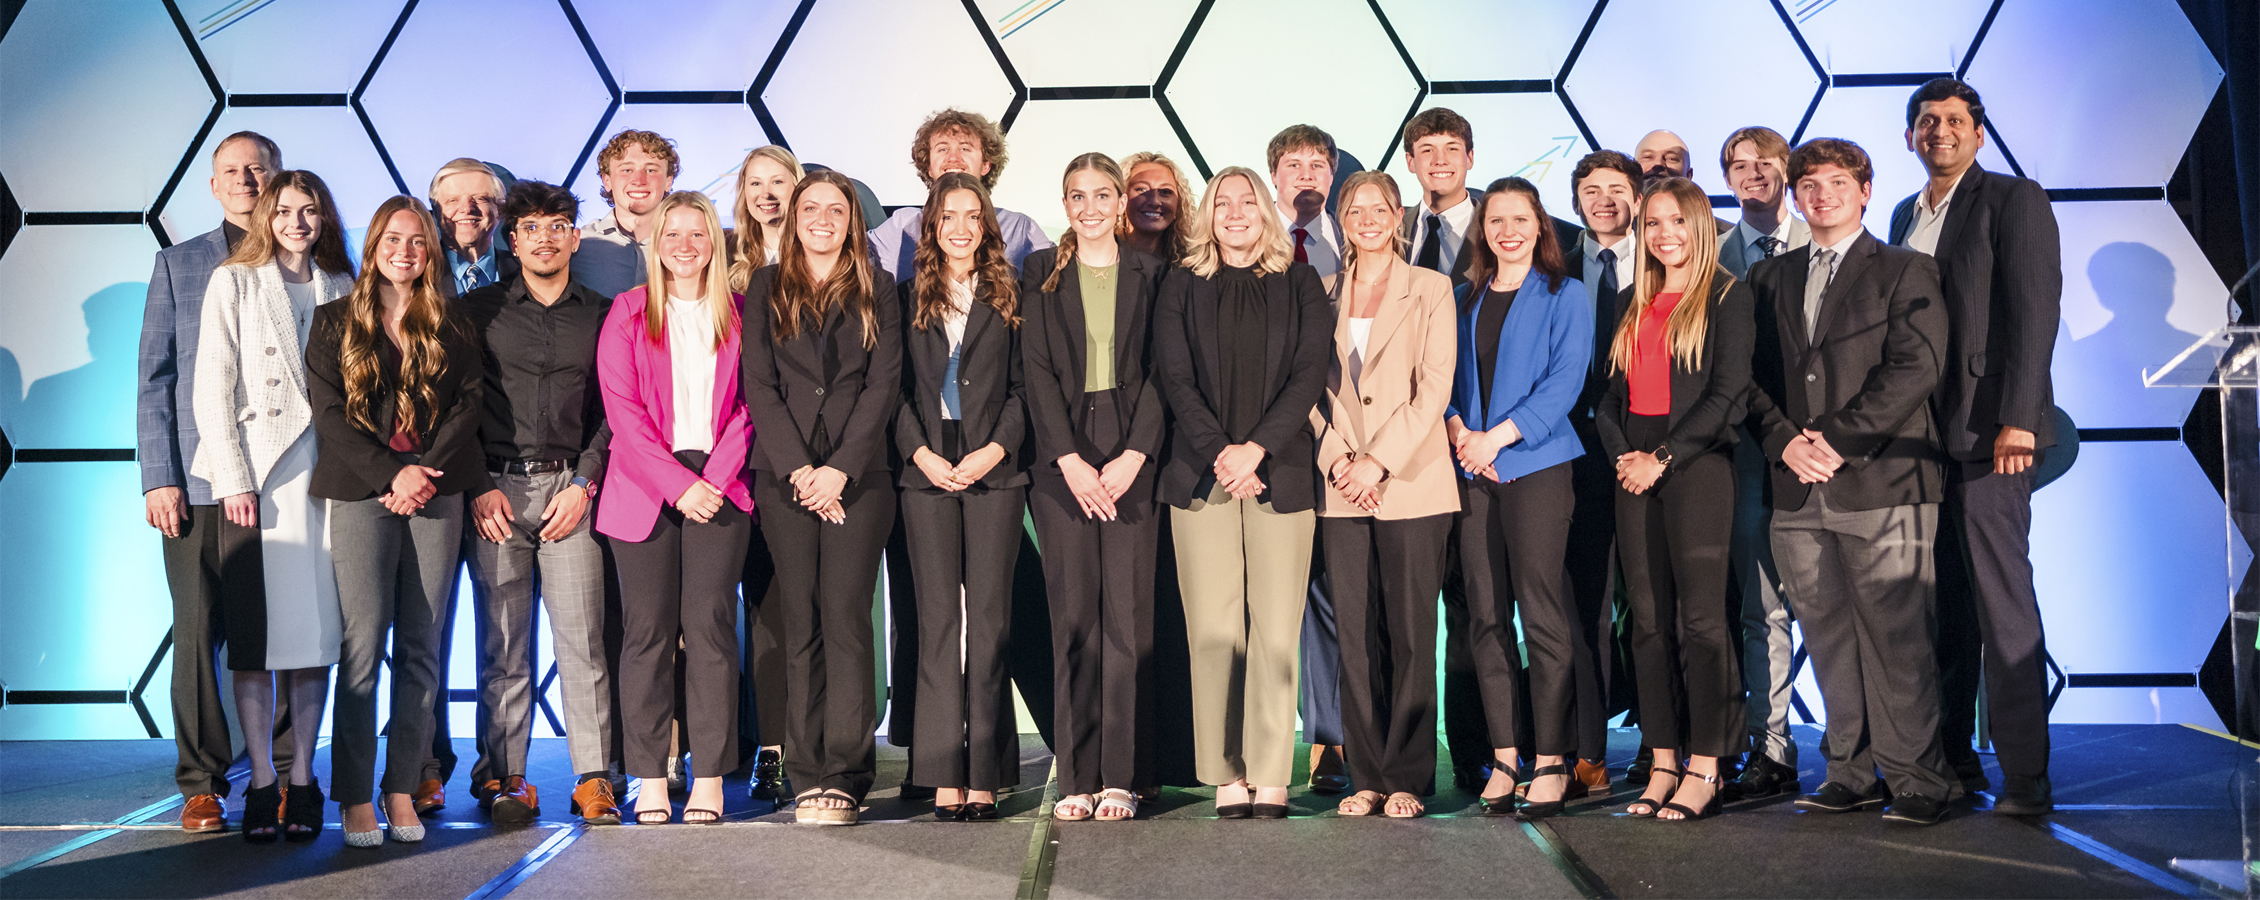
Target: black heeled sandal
(262, 812)
(1503, 805)
(1647, 808)
(302, 812)
(1532, 809)
(1709, 809)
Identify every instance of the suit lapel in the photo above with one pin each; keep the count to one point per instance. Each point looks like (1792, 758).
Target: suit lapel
(1396, 299)
(1958, 209)
(1789, 305)
(1077, 333)
(1126, 314)
(1840, 288)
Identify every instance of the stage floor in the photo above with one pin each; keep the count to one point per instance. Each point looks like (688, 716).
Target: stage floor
(97, 819)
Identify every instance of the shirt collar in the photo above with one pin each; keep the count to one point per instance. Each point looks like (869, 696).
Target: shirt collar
(1749, 236)
(575, 292)
(1945, 199)
(1840, 247)
(1593, 248)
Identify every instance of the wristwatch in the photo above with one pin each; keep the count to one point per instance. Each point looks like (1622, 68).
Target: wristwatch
(585, 485)
(1663, 454)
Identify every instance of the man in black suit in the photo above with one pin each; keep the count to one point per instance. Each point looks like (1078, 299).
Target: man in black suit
(1994, 237)
(1851, 336)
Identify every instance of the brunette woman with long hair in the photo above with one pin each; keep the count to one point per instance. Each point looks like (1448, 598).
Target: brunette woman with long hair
(396, 377)
(278, 594)
(1098, 432)
(1526, 337)
(823, 379)
(1158, 193)
(1679, 366)
(1242, 334)
(962, 430)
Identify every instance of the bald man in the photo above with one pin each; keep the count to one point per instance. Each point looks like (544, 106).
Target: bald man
(1661, 154)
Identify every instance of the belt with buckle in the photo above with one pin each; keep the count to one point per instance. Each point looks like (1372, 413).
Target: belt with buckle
(525, 466)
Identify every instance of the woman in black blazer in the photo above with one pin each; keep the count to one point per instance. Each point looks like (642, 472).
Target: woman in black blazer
(1097, 424)
(962, 432)
(1678, 372)
(1243, 337)
(823, 379)
(395, 382)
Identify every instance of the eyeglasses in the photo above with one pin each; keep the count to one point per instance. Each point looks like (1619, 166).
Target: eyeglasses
(534, 230)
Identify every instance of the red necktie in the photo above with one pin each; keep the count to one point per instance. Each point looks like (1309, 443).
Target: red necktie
(1302, 236)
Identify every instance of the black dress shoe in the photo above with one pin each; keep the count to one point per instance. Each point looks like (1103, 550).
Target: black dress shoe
(1915, 809)
(2024, 795)
(1762, 777)
(1642, 763)
(1836, 798)
(1969, 769)
(769, 776)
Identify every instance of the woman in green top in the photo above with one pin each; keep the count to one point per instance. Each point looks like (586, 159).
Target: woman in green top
(1097, 427)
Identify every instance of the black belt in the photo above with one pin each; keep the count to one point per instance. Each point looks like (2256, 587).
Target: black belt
(526, 466)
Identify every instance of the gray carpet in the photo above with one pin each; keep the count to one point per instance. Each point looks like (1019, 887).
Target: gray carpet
(51, 782)
(1310, 857)
(874, 860)
(449, 863)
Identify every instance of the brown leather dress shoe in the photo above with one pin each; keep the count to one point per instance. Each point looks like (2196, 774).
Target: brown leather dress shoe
(202, 814)
(516, 804)
(592, 801)
(1593, 775)
(430, 797)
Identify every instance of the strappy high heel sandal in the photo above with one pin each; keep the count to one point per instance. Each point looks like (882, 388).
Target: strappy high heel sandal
(1710, 808)
(1645, 808)
(1541, 809)
(1504, 804)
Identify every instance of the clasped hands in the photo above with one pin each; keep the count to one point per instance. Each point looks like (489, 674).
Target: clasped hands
(1358, 479)
(1096, 489)
(965, 474)
(1810, 457)
(818, 490)
(490, 513)
(1477, 450)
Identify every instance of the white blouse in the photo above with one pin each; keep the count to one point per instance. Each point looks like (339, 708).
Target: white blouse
(961, 308)
(690, 352)
(1361, 330)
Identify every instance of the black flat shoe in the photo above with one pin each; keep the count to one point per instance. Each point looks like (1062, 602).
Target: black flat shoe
(2024, 795)
(1836, 798)
(1540, 810)
(1268, 810)
(262, 810)
(1915, 809)
(1762, 777)
(302, 812)
(1643, 763)
(769, 777)
(977, 811)
(1235, 810)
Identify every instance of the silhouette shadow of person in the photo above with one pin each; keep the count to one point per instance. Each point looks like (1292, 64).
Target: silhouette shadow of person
(2099, 377)
(91, 406)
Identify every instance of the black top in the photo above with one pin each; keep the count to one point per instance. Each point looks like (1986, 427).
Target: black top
(989, 391)
(822, 398)
(232, 234)
(1240, 326)
(356, 464)
(1707, 401)
(1191, 346)
(1490, 319)
(542, 401)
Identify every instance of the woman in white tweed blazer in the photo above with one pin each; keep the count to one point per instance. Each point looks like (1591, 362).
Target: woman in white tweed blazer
(278, 596)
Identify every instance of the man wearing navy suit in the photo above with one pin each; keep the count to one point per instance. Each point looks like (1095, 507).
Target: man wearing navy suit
(180, 506)
(1994, 237)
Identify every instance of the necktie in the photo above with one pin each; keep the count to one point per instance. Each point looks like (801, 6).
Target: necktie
(1769, 244)
(1431, 247)
(1302, 236)
(1816, 282)
(1609, 289)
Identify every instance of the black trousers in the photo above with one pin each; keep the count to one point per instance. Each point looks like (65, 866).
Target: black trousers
(1593, 583)
(1467, 736)
(761, 679)
(827, 577)
(1673, 543)
(1987, 611)
(1385, 575)
(682, 581)
(1099, 577)
(1512, 538)
(963, 549)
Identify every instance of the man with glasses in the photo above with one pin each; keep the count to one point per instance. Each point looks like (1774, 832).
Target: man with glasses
(545, 438)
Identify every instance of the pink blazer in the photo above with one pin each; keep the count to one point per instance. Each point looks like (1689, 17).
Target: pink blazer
(637, 378)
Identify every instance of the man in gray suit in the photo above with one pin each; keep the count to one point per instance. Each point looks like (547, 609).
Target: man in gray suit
(1851, 337)
(180, 506)
(1756, 163)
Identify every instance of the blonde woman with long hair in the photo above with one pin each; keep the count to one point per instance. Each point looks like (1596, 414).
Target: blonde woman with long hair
(1098, 431)
(1242, 335)
(277, 593)
(1678, 368)
(396, 378)
(765, 183)
(1158, 193)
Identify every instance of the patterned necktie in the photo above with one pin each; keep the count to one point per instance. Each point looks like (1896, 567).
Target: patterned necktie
(1769, 244)
(1816, 282)
(1302, 236)
(1431, 247)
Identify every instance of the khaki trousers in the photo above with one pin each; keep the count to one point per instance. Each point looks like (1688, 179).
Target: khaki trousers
(1243, 569)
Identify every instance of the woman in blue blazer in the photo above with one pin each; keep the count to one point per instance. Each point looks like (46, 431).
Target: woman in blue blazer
(1526, 338)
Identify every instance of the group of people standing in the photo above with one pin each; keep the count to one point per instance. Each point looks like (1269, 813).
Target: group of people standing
(1318, 402)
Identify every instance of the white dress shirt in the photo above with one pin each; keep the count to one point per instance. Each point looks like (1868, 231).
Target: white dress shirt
(1458, 221)
(961, 308)
(1323, 250)
(1922, 237)
(1592, 249)
(690, 354)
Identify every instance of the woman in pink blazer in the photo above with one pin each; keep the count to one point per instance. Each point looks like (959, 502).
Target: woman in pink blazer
(677, 504)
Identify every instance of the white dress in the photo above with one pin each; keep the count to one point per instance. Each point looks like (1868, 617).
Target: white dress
(294, 543)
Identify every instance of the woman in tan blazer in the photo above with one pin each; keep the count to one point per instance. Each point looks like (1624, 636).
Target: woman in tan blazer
(1386, 511)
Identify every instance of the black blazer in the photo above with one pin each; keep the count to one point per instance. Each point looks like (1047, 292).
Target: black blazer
(1298, 349)
(1864, 382)
(823, 375)
(355, 464)
(1607, 313)
(988, 384)
(1706, 402)
(1998, 260)
(1052, 347)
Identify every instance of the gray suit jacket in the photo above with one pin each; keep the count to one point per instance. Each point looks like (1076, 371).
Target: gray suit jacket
(164, 409)
(1738, 257)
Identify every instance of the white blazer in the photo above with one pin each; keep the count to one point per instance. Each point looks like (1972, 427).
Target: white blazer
(251, 375)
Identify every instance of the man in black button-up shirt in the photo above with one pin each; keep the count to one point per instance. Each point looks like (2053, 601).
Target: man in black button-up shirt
(545, 440)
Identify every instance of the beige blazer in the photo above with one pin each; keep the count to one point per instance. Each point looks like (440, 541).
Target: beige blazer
(1395, 411)
(250, 395)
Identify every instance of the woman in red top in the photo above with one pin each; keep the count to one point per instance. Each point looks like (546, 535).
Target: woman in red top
(1678, 369)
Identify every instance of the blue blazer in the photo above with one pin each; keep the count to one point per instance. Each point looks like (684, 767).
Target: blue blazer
(164, 412)
(1544, 349)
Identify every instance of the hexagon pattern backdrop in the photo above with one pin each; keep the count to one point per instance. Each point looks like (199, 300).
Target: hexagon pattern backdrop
(109, 108)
